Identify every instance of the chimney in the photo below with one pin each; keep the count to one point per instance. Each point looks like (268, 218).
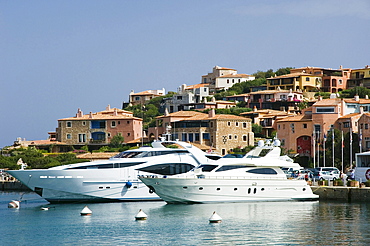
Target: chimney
(254, 109)
(115, 112)
(366, 96)
(212, 113)
(361, 109)
(108, 107)
(357, 98)
(340, 67)
(319, 98)
(91, 115)
(166, 112)
(79, 113)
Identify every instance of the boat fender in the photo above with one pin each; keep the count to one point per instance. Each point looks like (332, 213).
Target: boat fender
(128, 184)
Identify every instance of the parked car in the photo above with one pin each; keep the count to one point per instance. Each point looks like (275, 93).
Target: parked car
(327, 173)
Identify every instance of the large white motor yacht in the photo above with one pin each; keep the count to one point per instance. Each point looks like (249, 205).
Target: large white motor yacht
(115, 179)
(257, 176)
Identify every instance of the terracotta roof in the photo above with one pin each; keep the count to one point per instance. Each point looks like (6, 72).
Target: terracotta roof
(292, 75)
(360, 101)
(113, 113)
(189, 87)
(328, 102)
(182, 114)
(266, 111)
(148, 92)
(242, 75)
(348, 116)
(296, 118)
(96, 116)
(228, 117)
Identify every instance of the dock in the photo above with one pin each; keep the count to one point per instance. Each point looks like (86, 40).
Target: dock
(342, 193)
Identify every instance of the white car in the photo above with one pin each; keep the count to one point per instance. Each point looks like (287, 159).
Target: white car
(327, 175)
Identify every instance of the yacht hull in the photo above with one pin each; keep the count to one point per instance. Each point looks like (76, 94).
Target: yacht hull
(196, 190)
(61, 186)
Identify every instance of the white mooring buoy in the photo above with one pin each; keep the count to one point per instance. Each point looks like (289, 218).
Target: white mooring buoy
(141, 215)
(14, 204)
(215, 218)
(44, 208)
(86, 211)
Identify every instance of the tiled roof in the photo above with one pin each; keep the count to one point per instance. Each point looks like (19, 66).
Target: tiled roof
(110, 114)
(227, 117)
(348, 116)
(242, 75)
(292, 75)
(182, 114)
(328, 102)
(360, 101)
(189, 87)
(296, 118)
(273, 92)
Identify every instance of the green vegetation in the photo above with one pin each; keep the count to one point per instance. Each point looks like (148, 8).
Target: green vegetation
(35, 159)
(362, 92)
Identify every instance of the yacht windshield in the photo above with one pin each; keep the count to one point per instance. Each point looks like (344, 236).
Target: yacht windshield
(229, 167)
(140, 154)
(207, 168)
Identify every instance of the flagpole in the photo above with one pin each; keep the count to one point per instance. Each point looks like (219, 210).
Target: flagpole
(360, 140)
(314, 149)
(332, 137)
(324, 150)
(350, 147)
(342, 150)
(318, 150)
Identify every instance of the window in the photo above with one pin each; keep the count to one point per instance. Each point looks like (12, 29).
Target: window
(244, 138)
(278, 126)
(179, 97)
(244, 125)
(228, 123)
(340, 82)
(262, 171)
(205, 135)
(69, 136)
(113, 124)
(168, 169)
(366, 126)
(227, 81)
(346, 124)
(236, 137)
(82, 138)
(307, 79)
(137, 98)
(325, 110)
(237, 124)
(304, 125)
(69, 124)
(230, 136)
(128, 134)
(84, 123)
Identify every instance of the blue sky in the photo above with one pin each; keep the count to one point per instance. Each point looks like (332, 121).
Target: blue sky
(58, 56)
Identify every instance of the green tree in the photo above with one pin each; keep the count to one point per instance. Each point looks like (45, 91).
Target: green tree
(116, 141)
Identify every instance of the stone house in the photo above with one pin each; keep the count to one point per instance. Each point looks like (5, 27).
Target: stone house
(221, 132)
(98, 128)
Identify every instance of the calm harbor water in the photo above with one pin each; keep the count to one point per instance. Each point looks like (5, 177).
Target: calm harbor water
(273, 223)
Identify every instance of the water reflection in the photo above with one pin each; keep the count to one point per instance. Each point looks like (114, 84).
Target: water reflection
(275, 223)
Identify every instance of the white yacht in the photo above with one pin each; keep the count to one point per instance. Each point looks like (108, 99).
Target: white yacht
(115, 179)
(258, 176)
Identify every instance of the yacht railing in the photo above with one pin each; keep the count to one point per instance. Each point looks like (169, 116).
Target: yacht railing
(217, 177)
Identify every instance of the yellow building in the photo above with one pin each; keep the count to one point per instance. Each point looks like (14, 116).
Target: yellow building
(295, 82)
